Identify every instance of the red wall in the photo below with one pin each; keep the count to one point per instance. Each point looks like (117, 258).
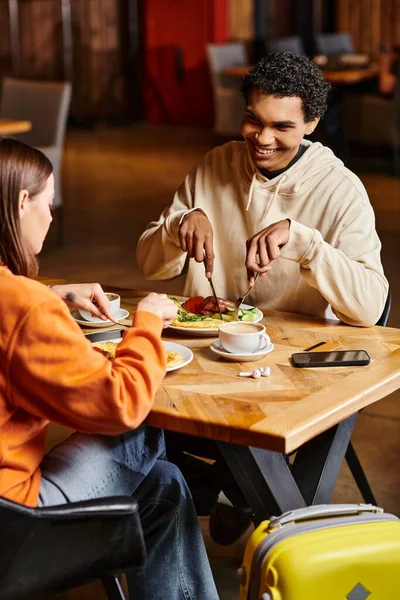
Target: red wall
(177, 81)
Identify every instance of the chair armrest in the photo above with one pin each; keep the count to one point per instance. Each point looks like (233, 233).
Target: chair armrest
(114, 506)
(101, 507)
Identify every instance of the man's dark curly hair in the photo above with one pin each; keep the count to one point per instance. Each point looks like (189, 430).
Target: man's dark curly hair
(283, 74)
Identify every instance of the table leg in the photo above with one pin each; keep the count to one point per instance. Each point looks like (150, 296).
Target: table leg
(264, 478)
(271, 487)
(317, 464)
(359, 476)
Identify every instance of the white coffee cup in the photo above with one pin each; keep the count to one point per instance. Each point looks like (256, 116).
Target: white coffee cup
(241, 337)
(114, 307)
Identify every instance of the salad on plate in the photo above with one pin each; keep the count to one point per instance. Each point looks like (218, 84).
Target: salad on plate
(201, 312)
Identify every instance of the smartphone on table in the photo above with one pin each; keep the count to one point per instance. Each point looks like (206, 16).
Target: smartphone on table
(335, 358)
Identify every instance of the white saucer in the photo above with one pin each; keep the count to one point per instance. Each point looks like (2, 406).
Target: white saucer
(121, 314)
(248, 357)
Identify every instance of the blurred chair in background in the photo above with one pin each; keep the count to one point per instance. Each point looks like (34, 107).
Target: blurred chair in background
(46, 105)
(373, 119)
(292, 44)
(333, 43)
(228, 100)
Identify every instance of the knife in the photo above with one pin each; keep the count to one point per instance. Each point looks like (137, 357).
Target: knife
(214, 294)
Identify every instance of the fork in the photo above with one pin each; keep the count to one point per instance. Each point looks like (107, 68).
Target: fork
(240, 301)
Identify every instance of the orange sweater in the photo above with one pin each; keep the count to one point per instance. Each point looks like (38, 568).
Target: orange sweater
(50, 372)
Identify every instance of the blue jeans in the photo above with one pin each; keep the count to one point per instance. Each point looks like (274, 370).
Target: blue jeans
(84, 467)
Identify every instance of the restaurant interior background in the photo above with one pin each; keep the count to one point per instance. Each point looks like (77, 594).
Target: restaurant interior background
(142, 114)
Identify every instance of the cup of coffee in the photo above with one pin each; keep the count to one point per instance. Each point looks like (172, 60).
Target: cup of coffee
(114, 307)
(241, 337)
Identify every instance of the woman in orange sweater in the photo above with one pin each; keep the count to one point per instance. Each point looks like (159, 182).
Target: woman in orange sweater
(49, 372)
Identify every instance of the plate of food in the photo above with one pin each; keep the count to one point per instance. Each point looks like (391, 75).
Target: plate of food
(200, 316)
(177, 355)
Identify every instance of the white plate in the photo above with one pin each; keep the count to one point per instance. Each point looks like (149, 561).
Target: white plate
(122, 314)
(213, 331)
(186, 354)
(218, 349)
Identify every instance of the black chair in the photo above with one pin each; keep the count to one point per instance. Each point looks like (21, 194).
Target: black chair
(49, 550)
(351, 456)
(333, 43)
(292, 44)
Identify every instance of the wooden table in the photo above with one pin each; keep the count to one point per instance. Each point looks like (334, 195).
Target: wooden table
(256, 422)
(13, 126)
(350, 76)
(343, 77)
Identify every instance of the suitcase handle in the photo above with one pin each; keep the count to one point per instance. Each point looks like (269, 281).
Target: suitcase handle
(321, 511)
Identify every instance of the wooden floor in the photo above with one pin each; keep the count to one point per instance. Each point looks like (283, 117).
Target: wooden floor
(115, 181)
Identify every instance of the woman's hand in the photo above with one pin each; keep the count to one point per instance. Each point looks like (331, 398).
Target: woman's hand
(160, 305)
(86, 296)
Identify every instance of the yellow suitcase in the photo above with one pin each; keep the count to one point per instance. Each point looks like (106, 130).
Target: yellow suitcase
(326, 552)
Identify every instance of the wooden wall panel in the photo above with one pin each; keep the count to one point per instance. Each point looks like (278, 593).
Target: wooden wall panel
(279, 18)
(387, 9)
(98, 70)
(40, 40)
(241, 19)
(396, 23)
(374, 41)
(97, 57)
(5, 56)
(371, 23)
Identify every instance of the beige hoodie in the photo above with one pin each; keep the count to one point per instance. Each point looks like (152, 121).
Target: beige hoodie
(332, 258)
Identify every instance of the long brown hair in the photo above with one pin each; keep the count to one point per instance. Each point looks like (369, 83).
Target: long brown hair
(21, 168)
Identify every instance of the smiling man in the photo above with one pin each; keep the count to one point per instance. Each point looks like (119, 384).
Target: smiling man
(280, 206)
(275, 204)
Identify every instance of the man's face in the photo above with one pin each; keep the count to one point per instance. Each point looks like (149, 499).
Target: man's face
(273, 129)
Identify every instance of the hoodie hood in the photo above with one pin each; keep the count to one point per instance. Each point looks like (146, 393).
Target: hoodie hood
(313, 164)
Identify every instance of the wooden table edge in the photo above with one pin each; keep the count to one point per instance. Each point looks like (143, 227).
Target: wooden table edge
(296, 426)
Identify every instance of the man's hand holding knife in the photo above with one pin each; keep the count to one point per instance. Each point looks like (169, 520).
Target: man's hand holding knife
(196, 237)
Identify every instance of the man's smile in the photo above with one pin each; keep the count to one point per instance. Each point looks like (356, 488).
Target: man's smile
(264, 150)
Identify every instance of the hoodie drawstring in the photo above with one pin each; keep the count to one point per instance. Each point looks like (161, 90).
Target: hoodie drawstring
(282, 179)
(250, 198)
(251, 190)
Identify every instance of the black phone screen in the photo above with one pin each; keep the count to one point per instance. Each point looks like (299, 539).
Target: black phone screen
(336, 358)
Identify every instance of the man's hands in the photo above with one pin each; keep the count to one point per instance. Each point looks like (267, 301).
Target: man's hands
(266, 244)
(160, 305)
(196, 238)
(87, 296)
